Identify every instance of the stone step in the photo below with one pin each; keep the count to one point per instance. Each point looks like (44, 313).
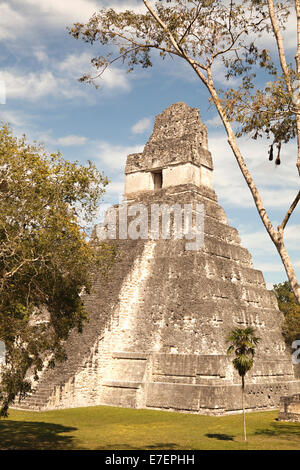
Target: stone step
(216, 381)
(122, 384)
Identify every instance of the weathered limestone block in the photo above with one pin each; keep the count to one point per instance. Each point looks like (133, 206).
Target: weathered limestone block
(179, 397)
(177, 149)
(289, 408)
(178, 136)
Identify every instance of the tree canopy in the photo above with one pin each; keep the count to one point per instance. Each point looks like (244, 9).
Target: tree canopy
(289, 306)
(45, 257)
(207, 34)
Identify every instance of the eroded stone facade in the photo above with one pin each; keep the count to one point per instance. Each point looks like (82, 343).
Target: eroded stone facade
(289, 408)
(158, 323)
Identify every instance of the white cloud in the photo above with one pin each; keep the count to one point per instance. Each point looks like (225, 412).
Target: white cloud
(112, 156)
(114, 191)
(273, 267)
(22, 123)
(121, 5)
(32, 86)
(258, 242)
(278, 185)
(113, 195)
(60, 80)
(289, 34)
(72, 140)
(114, 78)
(219, 71)
(261, 243)
(265, 256)
(41, 55)
(15, 118)
(142, 125)
(75, 65)
(58, 12)
(66, 141)
(54, 14)
(214, 122)
(292, 236)
(175, 69)
(11, 21)
(269, 267)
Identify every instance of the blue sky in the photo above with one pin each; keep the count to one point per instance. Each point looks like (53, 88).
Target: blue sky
(40, 65)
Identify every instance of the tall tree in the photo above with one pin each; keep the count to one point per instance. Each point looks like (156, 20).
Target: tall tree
(208, 32)
(45, 258)
(243, 343)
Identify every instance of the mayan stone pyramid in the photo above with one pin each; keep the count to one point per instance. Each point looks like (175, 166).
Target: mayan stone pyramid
(158, 322)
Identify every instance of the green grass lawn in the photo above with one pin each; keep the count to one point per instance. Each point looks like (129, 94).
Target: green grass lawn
(107, 428)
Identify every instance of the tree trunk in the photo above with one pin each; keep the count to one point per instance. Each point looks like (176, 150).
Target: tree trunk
(297, 58)
(276, 236)
(243, 405)
(207, 80)
(288, 268)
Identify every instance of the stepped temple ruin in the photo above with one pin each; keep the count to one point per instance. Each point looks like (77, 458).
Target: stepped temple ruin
(158, 322)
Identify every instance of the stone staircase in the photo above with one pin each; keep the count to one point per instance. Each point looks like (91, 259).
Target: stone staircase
(83, 352)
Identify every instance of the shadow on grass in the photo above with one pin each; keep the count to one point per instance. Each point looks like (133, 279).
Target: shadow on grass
(34, 435)
(221, 437)
(281, 429)
(159, 445)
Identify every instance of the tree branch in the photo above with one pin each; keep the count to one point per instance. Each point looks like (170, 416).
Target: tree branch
(14, 271)
(297, 8)
(177, 47)
(191, 24)
(164, 26)
(283, 62)
(279, 41)
(290, 211)
(241, 162)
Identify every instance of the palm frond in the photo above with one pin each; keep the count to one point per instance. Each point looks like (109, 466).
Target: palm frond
(243, 343)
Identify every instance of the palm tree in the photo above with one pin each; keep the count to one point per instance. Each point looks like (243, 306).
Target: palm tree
(243, 342)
